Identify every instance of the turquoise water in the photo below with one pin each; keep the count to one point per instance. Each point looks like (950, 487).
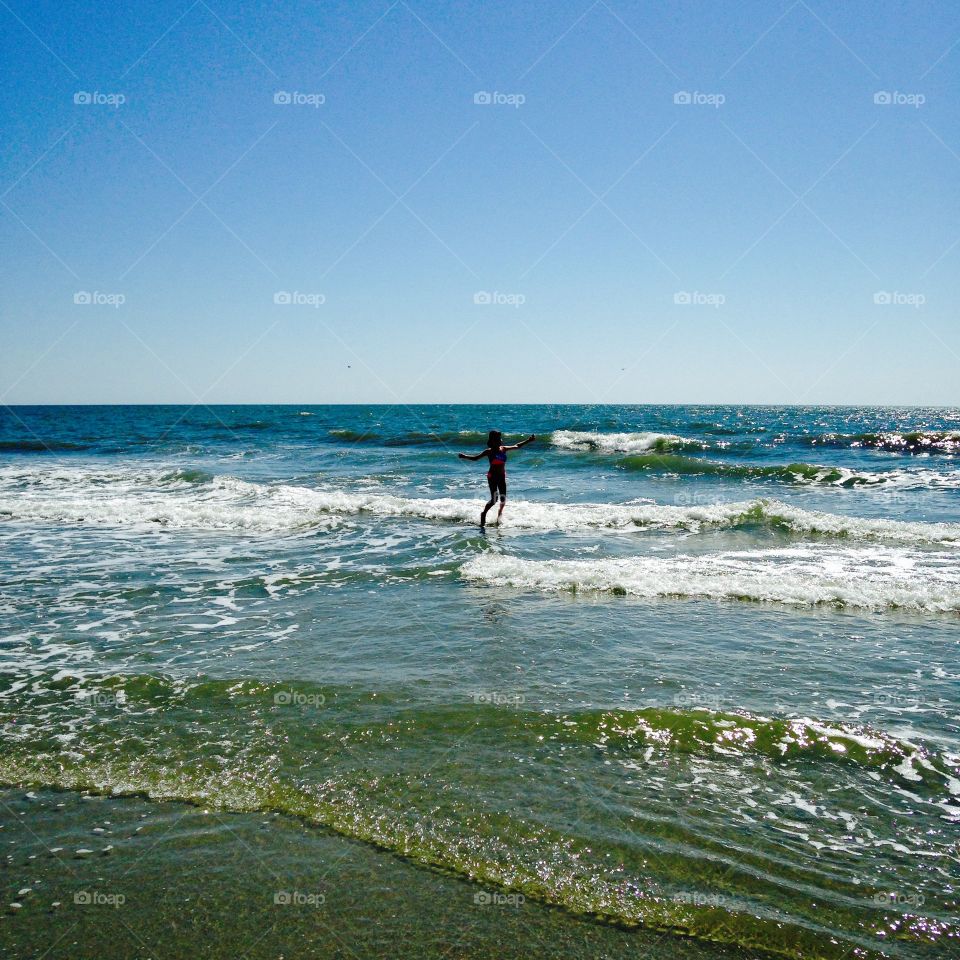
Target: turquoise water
(704, 677)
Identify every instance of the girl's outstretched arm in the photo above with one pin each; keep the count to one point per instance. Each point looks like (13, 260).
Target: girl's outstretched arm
(470, 456)
(522, 443)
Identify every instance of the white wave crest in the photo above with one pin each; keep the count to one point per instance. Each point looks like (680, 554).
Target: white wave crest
(872, 578)
(228, 503)
(620, 442)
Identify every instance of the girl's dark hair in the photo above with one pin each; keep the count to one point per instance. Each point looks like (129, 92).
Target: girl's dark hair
(494, 439)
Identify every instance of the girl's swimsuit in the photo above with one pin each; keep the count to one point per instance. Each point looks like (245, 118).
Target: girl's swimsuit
(497, 474)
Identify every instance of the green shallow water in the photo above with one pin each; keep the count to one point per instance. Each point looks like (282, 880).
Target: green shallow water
(261, 886)
(594, 818)
(555, 879)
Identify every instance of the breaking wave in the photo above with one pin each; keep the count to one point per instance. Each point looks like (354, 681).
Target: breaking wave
(192, 499)
(800, 576)
(622, 442)
(800, 473)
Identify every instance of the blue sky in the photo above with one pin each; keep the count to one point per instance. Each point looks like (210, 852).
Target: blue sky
(582, 237)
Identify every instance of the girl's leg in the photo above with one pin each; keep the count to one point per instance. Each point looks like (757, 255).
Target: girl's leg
(503, 498)
(493, 499)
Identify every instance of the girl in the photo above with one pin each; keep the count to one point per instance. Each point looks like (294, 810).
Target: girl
(496, 453)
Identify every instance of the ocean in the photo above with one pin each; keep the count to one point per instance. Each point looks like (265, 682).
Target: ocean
(698, 694)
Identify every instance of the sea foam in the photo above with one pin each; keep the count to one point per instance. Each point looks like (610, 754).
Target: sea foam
(191, 499)
(621, 442)
(807, 575)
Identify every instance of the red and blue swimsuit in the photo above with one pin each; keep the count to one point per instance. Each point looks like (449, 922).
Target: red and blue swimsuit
(497, 474)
